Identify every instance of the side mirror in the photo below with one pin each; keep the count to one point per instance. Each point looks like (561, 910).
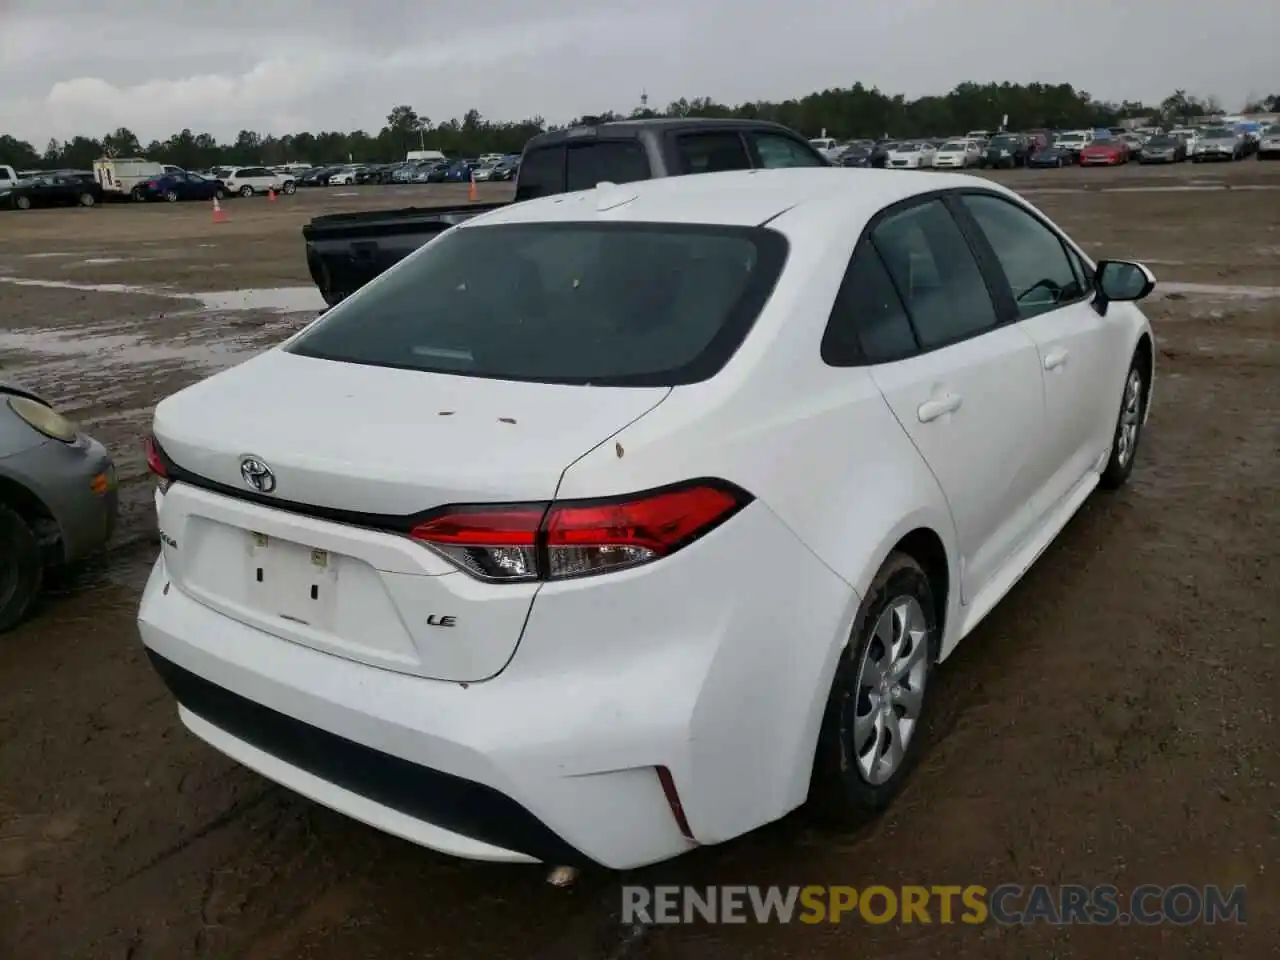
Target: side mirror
(1120, 281)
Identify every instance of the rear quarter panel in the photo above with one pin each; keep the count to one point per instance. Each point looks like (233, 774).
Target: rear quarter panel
(819, 448)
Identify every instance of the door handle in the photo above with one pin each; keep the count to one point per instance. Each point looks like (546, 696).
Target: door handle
(1055, 358)
(933, 409)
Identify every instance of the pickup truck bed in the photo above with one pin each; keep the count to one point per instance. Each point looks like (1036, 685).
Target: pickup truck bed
(347, 250)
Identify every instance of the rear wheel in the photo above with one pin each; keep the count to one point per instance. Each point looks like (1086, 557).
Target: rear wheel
(870, 735)
(87, 199)
(21, 568)
(246, 191)
(290, 186)
(219, 194)
(171, 196)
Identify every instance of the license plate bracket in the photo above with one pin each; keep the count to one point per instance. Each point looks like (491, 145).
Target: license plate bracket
(293, 581)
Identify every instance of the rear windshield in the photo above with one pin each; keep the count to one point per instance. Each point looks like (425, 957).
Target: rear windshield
(621, 304)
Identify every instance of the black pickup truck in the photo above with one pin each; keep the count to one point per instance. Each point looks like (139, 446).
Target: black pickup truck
(347, 250)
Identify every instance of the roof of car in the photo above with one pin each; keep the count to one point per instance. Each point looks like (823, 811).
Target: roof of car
(737, 198)
(631, 127)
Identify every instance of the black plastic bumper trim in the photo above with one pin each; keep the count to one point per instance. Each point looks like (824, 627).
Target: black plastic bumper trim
(462, 806)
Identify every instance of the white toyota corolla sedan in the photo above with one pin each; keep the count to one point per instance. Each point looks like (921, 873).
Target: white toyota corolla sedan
(615, 523)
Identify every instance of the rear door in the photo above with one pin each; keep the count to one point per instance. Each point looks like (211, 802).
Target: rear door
(969, 394)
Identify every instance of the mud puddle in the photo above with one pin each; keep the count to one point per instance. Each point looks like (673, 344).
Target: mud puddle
(124, 349)
(1231, 291)
(275, 299)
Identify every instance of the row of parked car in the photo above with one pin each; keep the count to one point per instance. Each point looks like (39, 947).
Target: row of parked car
(440, 169)
(1047, 148)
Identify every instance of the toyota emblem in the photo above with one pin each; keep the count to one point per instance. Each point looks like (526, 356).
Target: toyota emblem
(257, 475)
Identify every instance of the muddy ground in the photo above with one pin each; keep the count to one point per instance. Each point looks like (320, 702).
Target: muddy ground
(1113, 721)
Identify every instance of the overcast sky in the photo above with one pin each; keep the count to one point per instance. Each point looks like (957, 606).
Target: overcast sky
(217, 66)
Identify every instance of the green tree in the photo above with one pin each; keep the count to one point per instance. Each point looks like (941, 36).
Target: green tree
(846, 112)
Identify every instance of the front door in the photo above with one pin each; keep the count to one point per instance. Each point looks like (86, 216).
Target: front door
(1051, 290)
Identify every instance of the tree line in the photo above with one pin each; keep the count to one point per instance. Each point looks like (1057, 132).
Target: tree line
(856, 111)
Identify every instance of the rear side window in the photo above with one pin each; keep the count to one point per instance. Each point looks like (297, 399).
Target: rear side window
(613, 161)
(624, 304)
(541, 173)
(711, 152)
(778, 151)
(868, 323)
(935, 274)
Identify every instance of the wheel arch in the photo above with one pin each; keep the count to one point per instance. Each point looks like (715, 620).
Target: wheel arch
(1144, 356)
(925, 546)
(30, 507)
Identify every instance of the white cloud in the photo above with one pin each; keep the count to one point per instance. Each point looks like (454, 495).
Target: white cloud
(158, 68)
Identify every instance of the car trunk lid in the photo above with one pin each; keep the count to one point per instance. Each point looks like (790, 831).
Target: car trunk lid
(321, 555)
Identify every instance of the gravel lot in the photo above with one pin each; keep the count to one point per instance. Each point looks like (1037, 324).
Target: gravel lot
(1114, 721)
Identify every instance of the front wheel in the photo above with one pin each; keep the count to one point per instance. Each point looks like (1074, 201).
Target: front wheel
(246, 191)
(870, 734)
(1124, 442)
(21, 568)
(171, 196)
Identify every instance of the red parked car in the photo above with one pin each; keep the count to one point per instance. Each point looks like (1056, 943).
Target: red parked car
(1109, 153)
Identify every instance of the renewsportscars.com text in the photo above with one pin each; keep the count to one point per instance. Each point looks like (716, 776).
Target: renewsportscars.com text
(1007, 904)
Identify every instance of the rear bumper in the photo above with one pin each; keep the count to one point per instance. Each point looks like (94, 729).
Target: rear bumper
(555, 759)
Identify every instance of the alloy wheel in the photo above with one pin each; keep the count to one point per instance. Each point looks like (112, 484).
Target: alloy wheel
(1130, 418)
(889, 693)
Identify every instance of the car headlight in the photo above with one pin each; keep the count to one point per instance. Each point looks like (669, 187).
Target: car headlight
(43, 418)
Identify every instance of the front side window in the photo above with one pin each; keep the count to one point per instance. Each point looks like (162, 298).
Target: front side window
(625, 304)
(1033, 258)
(777, 151)
(935, 274)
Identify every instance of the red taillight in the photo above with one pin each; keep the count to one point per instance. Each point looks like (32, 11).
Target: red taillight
(498, 543)
(578, 538)
(156, 466)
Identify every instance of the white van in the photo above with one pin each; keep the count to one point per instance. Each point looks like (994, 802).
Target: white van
(123, 176)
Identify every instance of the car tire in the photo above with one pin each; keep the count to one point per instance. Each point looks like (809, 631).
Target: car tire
(87, 199)
(21, 568)
(138, 195)
(1128, 429)
(1058, 164)
(290, 187)
(171, 196)
(855, 771)
(22, 203)
(246, 191)
(219, 194)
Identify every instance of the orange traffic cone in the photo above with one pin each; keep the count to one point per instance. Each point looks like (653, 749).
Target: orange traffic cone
(472, 195)
(271, 193)
(219, 215)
